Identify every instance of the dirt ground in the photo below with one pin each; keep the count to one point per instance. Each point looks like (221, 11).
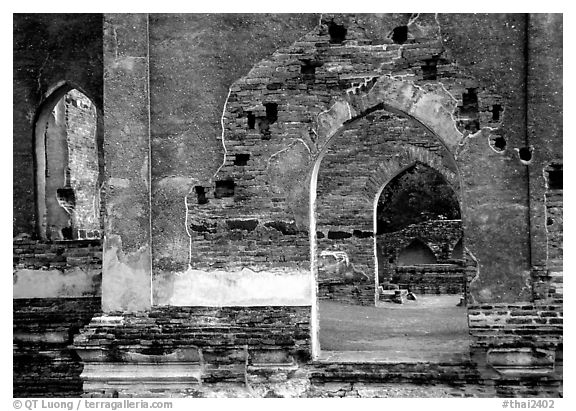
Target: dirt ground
(431, 328)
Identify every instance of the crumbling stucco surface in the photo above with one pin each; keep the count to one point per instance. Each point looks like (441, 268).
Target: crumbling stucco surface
(126, 284)
(127, 256)
(233, 288)
(74, 282)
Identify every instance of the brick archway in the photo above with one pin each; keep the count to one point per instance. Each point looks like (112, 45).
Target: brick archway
(389, 169)
(431, 109)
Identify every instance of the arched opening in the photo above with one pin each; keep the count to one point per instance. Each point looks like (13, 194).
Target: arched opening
(350, 321)
(417, 221)
(69, 164)
(416, 253)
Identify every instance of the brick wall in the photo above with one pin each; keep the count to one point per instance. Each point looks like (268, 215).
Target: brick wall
(269, 117)
(339, 291)
(346, 195)
(440, 236)
(83, 164)
(223, 345)
(43, 328)
(510, 325)
(34, 254)
(431, 278)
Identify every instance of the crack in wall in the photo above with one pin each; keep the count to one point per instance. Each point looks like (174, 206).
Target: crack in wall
(447, 92)
(223, 132)
(187, 230)
(305, 145)
(115, 35)
(413, 18)
(476, 277)
(297, 140)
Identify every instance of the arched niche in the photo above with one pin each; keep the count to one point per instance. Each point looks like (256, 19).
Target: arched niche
(69, 166)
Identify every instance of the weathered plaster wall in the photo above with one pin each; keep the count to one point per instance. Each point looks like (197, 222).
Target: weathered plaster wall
(283, 141)
(48, 49)
(194, 59)
(55, 144)
(127, 255)
(545, 130)
(499, 67)
(57, 285)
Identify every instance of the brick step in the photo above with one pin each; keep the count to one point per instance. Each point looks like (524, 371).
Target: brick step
(409, 372)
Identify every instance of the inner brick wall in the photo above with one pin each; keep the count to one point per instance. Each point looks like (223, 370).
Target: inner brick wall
(34, 254)
(345, 209)
(83, 164)
(441, 236)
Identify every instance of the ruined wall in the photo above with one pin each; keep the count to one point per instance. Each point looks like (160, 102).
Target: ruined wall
(81, 127)
(544, 77)
(250, 239)
(431, 278)
(61, 269)
(269, 117)
(190, 351)
(45, 364)
(56, 285)
(443, 275)
(188, 92)
(68, 168)
(440, 236)
(48, 49)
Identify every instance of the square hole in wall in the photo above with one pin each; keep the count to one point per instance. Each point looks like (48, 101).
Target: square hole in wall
(201, 194)
(555, 177)
(251, 121)
(224, 188)
(241, 159)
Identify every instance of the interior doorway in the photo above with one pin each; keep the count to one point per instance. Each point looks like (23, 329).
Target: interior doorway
(385, 210)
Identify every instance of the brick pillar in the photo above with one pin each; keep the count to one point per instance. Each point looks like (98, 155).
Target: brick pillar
(127, 266)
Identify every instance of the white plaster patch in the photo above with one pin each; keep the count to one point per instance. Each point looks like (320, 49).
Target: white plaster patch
(239, 288)
(180, 183)
(76, 282)
(126, 277)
